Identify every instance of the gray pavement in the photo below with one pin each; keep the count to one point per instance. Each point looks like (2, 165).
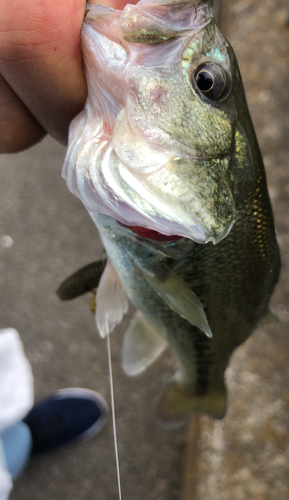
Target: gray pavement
(52, 236)
(246, 456)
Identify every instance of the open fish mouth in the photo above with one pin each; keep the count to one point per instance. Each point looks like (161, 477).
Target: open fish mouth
(137, 152)
(150, 234)
(178, 200)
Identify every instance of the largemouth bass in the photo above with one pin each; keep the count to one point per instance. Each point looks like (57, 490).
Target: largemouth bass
(165, 158)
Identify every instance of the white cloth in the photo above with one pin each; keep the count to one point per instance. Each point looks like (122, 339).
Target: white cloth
(16, 392)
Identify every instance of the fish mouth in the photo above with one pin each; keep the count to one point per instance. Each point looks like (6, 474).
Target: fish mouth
(150, 234)
(153, 235)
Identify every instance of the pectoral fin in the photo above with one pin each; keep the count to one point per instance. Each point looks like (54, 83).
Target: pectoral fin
(179, 402)
(111, 301)
(180, 298)
(142, 345)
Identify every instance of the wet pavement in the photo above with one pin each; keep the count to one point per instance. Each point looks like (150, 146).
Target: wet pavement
(45, 234)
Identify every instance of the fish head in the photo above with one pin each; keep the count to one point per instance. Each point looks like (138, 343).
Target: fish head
(155, 143)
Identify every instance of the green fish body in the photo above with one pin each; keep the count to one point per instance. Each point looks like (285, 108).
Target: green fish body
(176, 154)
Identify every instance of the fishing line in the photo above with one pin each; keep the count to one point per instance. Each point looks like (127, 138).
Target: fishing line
(113, 415)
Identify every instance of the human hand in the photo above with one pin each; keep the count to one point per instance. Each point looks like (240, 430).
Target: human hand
(42, 83)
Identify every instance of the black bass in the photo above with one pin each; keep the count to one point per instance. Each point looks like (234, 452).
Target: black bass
(165, 158)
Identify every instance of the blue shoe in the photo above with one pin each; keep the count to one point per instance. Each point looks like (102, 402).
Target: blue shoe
(67, 416)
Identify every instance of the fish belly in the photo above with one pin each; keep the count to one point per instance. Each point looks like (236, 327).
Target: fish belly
(234, 281)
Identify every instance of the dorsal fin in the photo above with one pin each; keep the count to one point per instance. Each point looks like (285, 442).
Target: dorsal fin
(111, 301)
(142, 345)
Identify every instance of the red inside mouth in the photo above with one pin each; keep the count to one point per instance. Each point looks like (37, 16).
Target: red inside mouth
(144, 232)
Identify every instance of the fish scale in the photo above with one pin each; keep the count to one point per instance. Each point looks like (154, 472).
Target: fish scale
(172, 154)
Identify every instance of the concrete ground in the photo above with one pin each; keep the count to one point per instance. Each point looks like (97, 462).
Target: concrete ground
(51, 235)
(247, 454)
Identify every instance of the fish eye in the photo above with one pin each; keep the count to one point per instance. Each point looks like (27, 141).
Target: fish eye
(210, 80)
